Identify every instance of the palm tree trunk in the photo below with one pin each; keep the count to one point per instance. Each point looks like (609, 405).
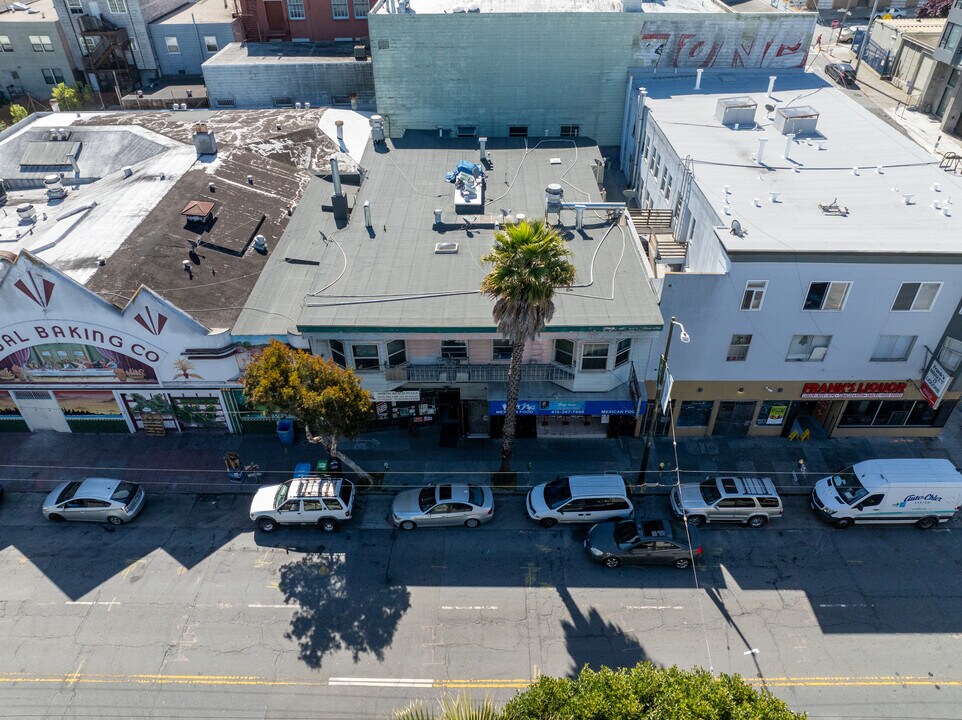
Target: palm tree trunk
(511, 406)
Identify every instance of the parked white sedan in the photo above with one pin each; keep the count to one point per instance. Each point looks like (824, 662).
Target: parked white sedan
(444, 504)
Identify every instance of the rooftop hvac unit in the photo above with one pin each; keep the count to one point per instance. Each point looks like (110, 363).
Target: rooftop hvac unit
(360, 52)
(736, 111)
(797, 120)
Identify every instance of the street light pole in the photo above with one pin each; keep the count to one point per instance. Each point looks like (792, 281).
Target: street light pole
(861, 47)
(659, 386)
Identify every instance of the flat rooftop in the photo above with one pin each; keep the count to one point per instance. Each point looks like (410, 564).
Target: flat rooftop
(132, 218)
(437, 7)
(389, 278)
(38, 11)
(838, 162)
(283, 53)
(202, 11)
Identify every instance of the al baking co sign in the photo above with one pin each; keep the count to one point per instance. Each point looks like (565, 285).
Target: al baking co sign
(854, 389)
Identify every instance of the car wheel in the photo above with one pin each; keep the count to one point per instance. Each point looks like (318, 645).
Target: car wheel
(328, 525)
(927, 523)
(408, 525)
(696, 520)
(57, 518)
(611, 562)
(472, 523)
(757, 521)
(114, 520)
(267, 525)
(682, 563)
(843, 523)
(548, 522)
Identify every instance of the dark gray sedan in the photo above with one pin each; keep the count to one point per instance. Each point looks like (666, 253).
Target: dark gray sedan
(657, 541)
(444, 504)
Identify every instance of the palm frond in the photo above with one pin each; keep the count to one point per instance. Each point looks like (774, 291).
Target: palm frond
(457, 707)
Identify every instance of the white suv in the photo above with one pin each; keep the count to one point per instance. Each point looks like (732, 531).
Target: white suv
(314, 500)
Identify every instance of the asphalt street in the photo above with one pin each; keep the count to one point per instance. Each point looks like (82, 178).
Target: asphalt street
(189, 613)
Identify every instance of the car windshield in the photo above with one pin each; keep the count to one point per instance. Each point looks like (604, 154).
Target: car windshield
(678, 529)
(345, 493)
(426, 498)
(848, 487)
(557, 493)
(475, 495)
(68, 492)
(281, 495)
(709, 491)
(626, 534)
(124, 493)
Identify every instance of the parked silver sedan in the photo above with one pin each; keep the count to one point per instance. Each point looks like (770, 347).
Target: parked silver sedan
(95, 500)
(444, 504)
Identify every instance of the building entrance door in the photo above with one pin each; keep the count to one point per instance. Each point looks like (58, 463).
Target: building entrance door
(40, 411)
(476, 422)
(734, 418)
(276, 22)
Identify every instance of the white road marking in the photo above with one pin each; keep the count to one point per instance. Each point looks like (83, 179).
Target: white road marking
(383, 682)
(286, 607)
(753, 651)
(848, 605)
(92, 602)
(654, 607)
(469, 607)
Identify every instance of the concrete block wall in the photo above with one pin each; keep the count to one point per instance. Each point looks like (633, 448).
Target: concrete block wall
(190, 41)
(257, 85)
(27, 64)
(492, 70)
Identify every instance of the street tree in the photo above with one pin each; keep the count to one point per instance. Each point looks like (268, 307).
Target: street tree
(18, 113)
(646, 691)
(529, 262)
(934, 9)
(327, 399)
(67, 97)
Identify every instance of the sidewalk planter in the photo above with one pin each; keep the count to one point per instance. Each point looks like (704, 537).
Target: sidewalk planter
(285, 431)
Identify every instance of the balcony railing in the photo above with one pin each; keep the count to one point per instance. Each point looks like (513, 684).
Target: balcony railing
(448, 373)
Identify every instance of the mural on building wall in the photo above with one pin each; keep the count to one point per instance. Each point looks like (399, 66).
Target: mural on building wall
(88, 404)
(8, 408)
(69, 362)
(666, 45)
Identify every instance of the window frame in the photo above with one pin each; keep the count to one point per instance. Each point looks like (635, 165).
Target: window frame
(5, 44)
(176, 45)
(455, 350)
(393, 354)
(569, 131)
(41, 43)
(336, 6)
(118, 3)
(622, 352)
(915, 297)
(875, 357)
(208, 43)
(75, 7)
(592, 358)
(338, 350)
(951, 366)
(811, 347)
(760, 292)
(48, 76)
(829, 286)
(363, 362)
(365, 5)
(570, 353)
(295, 4)
(734, 344)
(518, 131)
(498, 357)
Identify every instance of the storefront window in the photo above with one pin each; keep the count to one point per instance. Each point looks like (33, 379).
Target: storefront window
(859, 413)
(895, 413)
(772, 412)
(695, 413)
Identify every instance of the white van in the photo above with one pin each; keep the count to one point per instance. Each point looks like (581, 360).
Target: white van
(579, 499)
(917, 490)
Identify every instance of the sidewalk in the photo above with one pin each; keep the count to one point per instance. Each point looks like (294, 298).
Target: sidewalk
(194, 463)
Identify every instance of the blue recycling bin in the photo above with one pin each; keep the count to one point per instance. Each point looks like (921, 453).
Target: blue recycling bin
(302, 470)
(285, 431)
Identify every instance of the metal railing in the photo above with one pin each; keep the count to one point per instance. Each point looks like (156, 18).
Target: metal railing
(493, 372)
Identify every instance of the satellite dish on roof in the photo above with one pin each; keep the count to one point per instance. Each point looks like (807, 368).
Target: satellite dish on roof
(770, 108)
(737, 228)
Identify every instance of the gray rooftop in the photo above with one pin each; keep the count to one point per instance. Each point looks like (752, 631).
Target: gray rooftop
(390, 279)
(553, 6)
(289, 53)
(820, 170)
(201, 11)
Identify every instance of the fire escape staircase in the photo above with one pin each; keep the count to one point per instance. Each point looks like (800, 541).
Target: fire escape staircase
(109, 55)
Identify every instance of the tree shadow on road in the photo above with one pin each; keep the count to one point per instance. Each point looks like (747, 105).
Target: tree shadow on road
(593, 641)
(333, 615)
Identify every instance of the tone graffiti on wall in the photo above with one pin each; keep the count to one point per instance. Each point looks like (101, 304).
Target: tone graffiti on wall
(666, 46)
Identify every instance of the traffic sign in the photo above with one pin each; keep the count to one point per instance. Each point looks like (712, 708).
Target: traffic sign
(834, 24)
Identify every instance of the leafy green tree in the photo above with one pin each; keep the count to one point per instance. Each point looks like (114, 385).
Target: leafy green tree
(18, 113)
(66, 96)
(646, 692)
(934, 9)
(327, 399)
(529, 262)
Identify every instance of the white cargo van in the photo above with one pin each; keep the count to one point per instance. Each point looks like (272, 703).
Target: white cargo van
(916, 490)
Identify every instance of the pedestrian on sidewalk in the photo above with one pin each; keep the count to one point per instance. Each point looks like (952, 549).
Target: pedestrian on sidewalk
(818, 42)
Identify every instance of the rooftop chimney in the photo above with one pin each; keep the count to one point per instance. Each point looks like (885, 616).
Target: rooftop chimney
(760, 155)
(338, 199)
(771, 84)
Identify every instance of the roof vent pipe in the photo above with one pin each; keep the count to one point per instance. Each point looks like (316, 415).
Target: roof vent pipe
(336, 176)
(771, 84)
(788, 147)
(482, 143)
(437, 216)
(760, 155)
(367, 213)
(339, 125)
(579, 216)
(698, 73)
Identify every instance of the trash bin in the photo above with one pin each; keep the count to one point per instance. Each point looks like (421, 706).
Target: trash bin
(334, 465)
(285, 431)
(321, 466)
(302, 470)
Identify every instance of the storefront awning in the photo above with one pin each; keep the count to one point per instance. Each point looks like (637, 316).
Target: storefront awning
(544, 398)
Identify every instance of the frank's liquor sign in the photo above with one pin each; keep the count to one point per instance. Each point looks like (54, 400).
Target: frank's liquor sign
(845, 390)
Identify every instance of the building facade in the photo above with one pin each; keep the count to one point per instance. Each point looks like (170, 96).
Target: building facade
(303, 20)
(946, 83)
(33, 54)
(192, 34)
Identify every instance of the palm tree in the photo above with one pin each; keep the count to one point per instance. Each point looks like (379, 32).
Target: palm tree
(529, 261)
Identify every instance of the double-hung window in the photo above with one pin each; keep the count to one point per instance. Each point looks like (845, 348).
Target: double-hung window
(754, 294)
(623, 352)
(950, 355)
(594, 356)
(564, 352)
(826, 295)
(339, 9)
(295, 9)
(808, 348)
(916, 296)
(893, 348)
(41, 43)
(365, 357)
(396, 353)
